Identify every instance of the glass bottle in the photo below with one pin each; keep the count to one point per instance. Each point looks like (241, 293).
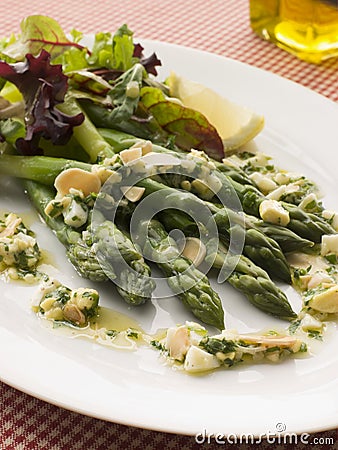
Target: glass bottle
(306, 28)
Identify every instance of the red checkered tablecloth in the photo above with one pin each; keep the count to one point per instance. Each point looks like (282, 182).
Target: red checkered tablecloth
(218, 26)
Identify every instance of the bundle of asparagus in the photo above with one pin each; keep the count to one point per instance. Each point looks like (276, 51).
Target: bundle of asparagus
(99, 260)
(248, 278)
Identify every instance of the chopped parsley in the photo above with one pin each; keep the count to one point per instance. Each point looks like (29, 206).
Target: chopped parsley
(158, 345)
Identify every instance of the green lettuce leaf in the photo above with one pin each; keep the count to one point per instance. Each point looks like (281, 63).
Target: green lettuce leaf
(115, 52)
(102, 51)
(11, 130)
(109, 57)
(123, 49)
(125, 93)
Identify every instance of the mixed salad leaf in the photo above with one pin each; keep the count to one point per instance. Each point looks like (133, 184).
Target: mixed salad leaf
(113, 79)
(43, 86)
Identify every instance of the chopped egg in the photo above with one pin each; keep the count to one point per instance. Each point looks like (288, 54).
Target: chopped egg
(264, 183)
(198, 360)
(307, 201)
(332, 216)
(273, 212)
(326, 301)
(284, 189)
(329, 244)
(318, 278)
(75, 215)
(310, 323)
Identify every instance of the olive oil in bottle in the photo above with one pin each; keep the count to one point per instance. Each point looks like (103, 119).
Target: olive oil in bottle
(306, 28)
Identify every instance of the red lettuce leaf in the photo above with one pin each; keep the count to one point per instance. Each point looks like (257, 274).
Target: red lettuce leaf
(149, 62)
(190, 127)
(43, 86)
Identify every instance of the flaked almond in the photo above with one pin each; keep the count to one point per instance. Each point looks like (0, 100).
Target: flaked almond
(79, 179)
(130, 154)
(102, 172)
(73, 314)
(47, 304)
(133, 193)
(269, 341)
(194, 250)
(12, 222)
(62, 203)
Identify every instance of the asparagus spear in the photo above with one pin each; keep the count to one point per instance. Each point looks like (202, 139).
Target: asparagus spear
(187, 282)
(235, 173)
(81, 255)
(256, 285)
(261, 249)
(135, 286)
(286, 239)
(116, 251)
(59, 165)
(43, 169)
(86, 133)
(85, 261)
(248, 278)
(306, 225)
(110, 240)
(183, 278)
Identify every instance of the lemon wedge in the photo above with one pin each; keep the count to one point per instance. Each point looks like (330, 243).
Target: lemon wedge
(235, 124)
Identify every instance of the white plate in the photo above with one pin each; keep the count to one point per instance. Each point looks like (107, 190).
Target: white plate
(136, 388)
